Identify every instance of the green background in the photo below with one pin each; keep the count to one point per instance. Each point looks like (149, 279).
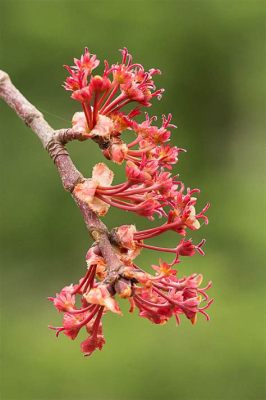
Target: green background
(212, 54)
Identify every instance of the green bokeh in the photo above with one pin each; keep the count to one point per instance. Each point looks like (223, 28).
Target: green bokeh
(212, 54)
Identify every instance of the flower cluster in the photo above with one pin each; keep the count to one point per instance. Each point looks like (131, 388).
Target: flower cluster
(158, 297)
(149, 190)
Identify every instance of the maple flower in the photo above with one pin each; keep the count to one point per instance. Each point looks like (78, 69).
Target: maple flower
(102, 98)
(166, 296)
(64, 301)
(100, 295)
(85, 191)
(149, 189)
(95, 301)
(96, 339)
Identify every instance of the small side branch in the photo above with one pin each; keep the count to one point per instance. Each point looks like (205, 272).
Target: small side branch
(68, 135)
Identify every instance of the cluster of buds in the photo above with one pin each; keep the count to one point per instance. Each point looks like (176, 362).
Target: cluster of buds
(149, 190)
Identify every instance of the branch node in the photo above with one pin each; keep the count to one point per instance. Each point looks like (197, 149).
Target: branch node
(67, 135)
(114, 274)
(55, 148)
(97, 233)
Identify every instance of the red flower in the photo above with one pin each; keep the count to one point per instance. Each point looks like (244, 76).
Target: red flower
(64, 301)
(149, 190)
(91, 344)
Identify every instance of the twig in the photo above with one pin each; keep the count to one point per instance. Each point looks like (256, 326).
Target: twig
(54, 141)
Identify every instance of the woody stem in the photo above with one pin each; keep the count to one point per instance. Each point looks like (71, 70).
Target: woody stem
(69, 174)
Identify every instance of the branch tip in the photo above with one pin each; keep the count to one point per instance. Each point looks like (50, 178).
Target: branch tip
(3, 77)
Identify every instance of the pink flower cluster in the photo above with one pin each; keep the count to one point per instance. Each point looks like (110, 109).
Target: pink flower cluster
(149, 190)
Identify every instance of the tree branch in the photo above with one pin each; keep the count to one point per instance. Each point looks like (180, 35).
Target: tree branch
(54, 141)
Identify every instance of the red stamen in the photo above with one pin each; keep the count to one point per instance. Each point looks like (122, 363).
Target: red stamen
(151, 304)
(113, 92)
(105, 109)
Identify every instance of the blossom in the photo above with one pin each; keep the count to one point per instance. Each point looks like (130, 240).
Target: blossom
(116, 151)
(85, 191)
(95, 340)
(95, 300)
(119, 85)
(125, 246)
(149, 189)
(92, 343)
(80, 124)
(100, 295)
(64, 301)
(170, 296)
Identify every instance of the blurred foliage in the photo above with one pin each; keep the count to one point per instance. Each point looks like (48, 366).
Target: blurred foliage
(212, 54)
